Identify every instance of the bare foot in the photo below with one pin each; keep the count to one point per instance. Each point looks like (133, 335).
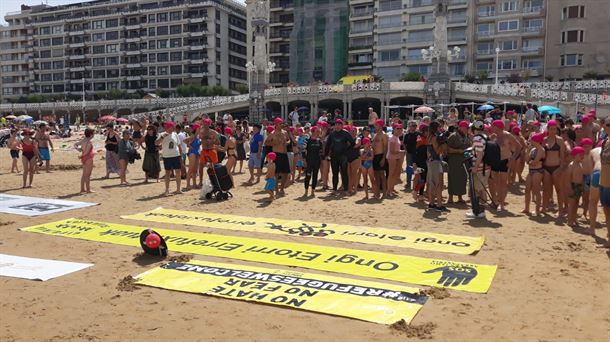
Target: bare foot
(90, 192)
(526, 212)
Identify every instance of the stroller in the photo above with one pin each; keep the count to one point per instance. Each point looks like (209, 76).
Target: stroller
(221, 182)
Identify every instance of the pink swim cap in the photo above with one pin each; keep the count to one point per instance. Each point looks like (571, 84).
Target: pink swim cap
(577, 150)
(421, 127)
(498, 124)
(586, 119)
(464, 124)
(551, 123)
(314, 128)
(324, 124)
(228, 130)
(277, 121)
(338, 122)
(487, 128)
(379, 123)
(300, 130)
(207, 122)
(195, 127)
(271, 156)
(270, 129)
(169, 125)
(346, 128)
(516, 130)
(366, 141)
(586, 142)
(290, 129)
(397, 126)
(538, 137)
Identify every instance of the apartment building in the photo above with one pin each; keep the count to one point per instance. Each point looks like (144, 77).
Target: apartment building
(578, 39)
(308, 40)
(509, 37)
(123, 44)
(387, 36)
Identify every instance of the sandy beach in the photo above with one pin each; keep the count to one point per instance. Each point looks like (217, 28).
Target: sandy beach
(552, 283)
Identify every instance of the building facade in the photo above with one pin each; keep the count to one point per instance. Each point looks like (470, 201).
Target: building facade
(578, 39)
(387, 36)
(127, 44)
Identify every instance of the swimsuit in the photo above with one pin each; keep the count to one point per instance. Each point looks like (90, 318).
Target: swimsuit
(367, 164)
(85, 157)
(270, 184)
(577, 190)
(555, 148)
(15, 154)
(194, 149)
(28, 151)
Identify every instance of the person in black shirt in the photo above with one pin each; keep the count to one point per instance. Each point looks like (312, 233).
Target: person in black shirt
(337, 145)
(313, 159)
(151, 165)
(410, 143)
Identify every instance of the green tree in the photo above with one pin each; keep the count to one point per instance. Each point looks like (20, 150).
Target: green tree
(591, 75)
(35, 98)
(470, 78)
(483, 74)
(183, 90)
(219, 90)
(411, 77)
(116, 94)
(242, 89)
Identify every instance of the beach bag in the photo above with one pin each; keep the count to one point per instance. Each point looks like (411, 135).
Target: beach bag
(206, 188)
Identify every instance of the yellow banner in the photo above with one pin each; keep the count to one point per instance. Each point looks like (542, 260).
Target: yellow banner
(409, 269)
(365, 300)
(328, 231)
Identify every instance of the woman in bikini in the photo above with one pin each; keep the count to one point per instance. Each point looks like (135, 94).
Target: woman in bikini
(29, 149)
(230, 151)
(555, 151)
(533, 182)
(240, 139)
(193, 155)
(366, 158)
(518, 164)
(85, 146)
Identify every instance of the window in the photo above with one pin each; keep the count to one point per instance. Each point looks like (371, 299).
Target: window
(99, 61)
(45, 54)
(362, 26)
(45, 42)
(110, 73)
(414, 54)
(57, 41)
(46, 77)
(161, 17)
(112, 61)
(508, 25)
(507, 64)
(532, 5)
(487, 11)
(390, 5)
(45, 65)
(58, 29)
(176, 42)
(162, 31)
(46, 89)
(112, 35)
(45, 30)
(532, 64)
(508, 45)
(532, 44)
(112, 48)
(175, 29)
(421, 36)
(571, 59)
(162, 70)
(389, 38)
(485, 48)
(151, 31)
(98, 37)
(99, 73)
(98, 24)
(175, 16)
(175, 56)
(389, 73)
(573, 12)
(574, 36)
(112, 23)
(58, 52)
(484, 66)
(485, 29)
(533, 25)
(509, 6)
(152, 18)
(390, 21)
(422, 69)
(389, 55)
(58, 65)
(162, 57)
(59, 76)
(457, 69)
(162, 44)
(98, 49)
(176, 69)
(419, 19)
(152, 57)
(113, 85)
(354, 42)
(99, 86)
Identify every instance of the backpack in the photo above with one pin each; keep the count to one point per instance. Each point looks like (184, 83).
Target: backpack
(491, 154)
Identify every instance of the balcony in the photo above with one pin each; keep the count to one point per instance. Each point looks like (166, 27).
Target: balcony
(76, 45)
(532, 10)
(362, 13)
(420, 3)
(359, 64)
(133, 40)
(198, 61)
(134, 78)
(420, 39)
(197, 47)
(77, 69)
(197, 33)
(196, 20)
(532, 49)
(355, 48)
(421, 22)
(533, 30)
(134, 65)
(76, 57)
(485, 34)
(457, 20)
(486, 52)
(132, 52)
(457, 39)
(133, 27)
(198, 74)
(458, 2)
(76, 33)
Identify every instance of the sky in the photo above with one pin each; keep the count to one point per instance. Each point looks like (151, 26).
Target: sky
(7, 6)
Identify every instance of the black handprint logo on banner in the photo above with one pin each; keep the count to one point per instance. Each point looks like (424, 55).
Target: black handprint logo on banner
(455, 275)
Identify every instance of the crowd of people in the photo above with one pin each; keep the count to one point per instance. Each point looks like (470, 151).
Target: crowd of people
(444, 160)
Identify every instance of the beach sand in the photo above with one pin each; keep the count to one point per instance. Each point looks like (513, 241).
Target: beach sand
(552, 284)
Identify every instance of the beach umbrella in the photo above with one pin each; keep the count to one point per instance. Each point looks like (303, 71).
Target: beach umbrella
(485, 107)
(11, 117)
(23, 118)
(122, 120)
(423, 109)
(549, 109)
(40, 122)
(302, 109)
(107, 118)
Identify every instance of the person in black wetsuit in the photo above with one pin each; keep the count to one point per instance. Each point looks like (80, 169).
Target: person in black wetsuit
(313, 159)
(337, 145)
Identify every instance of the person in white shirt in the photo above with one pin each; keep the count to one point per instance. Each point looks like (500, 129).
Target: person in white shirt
(530, 113)
(294, 116)
(171, 150)
(181, 138)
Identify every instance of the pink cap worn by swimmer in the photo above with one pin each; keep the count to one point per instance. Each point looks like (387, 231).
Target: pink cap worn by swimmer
(586, 142)
(379, 122)
(487, 128)
(397, 126)
(270, 129)
(586, 119)
(421, 127)
(366, 141)
(324, 124)
(207, 122)
(538, 137)
(464, 124)
(169, 125)
(313, 128)
(277, 121)
(577, 150)
(195, 127)
(228, 130)
(536, 124)
(516, 130)
(271, 156)
(498, 124)
(512, 124)
(299, 130)
(346, 128)
(290, 129)
(338, 122)
(551, 123)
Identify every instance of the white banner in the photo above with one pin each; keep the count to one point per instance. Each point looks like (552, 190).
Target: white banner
(36, 269)
(36, 206)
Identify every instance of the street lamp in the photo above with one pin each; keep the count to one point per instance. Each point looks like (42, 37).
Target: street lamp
(250, 67)
(497, 63)
(433, 53)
